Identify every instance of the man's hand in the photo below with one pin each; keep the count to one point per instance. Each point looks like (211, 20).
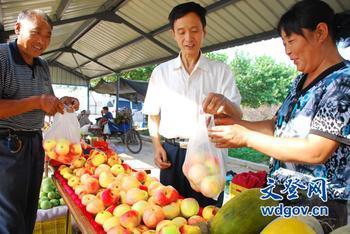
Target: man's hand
(160, 158)
(71, 103)
(214, 103)
(50, 104)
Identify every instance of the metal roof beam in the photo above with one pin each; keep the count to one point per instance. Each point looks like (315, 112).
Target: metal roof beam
(210, 8)
(70, 70)
(93, 60)
(62, 8)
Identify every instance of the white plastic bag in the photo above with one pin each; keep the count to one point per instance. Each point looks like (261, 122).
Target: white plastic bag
(204, 165)
(62, 138)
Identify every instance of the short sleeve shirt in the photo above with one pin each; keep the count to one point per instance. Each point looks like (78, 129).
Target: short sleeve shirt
(177, 96)
(18, 80)
(322, 109)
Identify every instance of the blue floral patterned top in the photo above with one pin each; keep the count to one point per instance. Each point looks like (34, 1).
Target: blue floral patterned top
(322, 108)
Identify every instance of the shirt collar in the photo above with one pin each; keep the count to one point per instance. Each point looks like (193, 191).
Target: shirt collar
(202, 62)
(17, 57)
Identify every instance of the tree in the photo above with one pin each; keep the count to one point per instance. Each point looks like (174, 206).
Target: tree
(221, 57)
(261, 80)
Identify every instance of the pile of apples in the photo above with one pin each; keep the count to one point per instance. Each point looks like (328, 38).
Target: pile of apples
(204, 174)
(49, 196)
(127, 201)
(62, 150)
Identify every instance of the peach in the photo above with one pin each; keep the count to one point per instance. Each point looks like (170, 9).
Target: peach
(121, 209)
(130, 219)
(209, 212)
(95, 206)
(171, 210)
(197, 172)
(152, 215)
(49, 144)
(195, 219)
(134, 195)
(140, 206)
(189, 207)
(179, 221)
(212, 186)
(117, 169)
(101, 168)
(109, 196)
(111, 223)
(165, 195)
(102, 216)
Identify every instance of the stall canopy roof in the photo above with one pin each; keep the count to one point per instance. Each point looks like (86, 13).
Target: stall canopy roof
(93, 38)
(129, 89)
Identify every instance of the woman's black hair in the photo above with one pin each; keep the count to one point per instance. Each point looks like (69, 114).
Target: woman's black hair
(185, 8)
(308, 14)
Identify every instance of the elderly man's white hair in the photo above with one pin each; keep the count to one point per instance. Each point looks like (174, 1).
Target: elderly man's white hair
(29, 15)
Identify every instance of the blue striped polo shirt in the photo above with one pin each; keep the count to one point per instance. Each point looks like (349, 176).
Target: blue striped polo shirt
(19, 80)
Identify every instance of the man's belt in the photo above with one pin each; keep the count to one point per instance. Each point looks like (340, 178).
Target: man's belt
(181, 142)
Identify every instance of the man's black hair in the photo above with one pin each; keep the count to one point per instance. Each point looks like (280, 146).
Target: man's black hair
(185, 8)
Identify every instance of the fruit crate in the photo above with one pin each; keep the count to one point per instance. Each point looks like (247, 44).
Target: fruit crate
(58, 225)
(236, 189)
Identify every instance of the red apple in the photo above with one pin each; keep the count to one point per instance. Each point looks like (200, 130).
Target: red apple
(130, 219)
(152, 215)
(209, 212)
(140, 176)
(109, 196)
(165, 195)
(196, 219)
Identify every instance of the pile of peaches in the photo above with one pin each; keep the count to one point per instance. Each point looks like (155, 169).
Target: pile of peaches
(126, 201)
(62, 150)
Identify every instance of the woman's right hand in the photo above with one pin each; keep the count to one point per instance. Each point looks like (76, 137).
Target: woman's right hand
(160, 158)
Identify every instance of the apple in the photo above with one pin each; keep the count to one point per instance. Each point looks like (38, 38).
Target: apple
(65, 170)
(189, 207)
(114, 185)
(153, 186)
(134, 195)
(73, 181)
(49, 144)
(209, 212)
(121, 209)
(117, 169)
(52, 154)
(149, 180)
(118, 229)
(171, 210)
(111, 223)
(109, 196)
(102, 216)
(169, 229)
(211, 186)
(195, 219)
(197, 172)
(84, 178)
(150, 232)
(162, 224)
(62, 147)
(91, 185)
(213, 165)
(87, 198)
(102, 167)
(81, 171)
(152, 215)
(140, 206)
(165, 195)
(75, 149)
(127, 168)
(111, 208)
(130, 219)
(190, 229)
(105, 179)
(140, 176)
(98, 159)
(129, 182)
(95, 206)
(122, 195)
(80, 190)
(113, 159)
(140, 229)
(67, 175)
(179, 221)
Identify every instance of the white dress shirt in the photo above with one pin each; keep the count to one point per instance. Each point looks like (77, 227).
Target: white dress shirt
(177, 96)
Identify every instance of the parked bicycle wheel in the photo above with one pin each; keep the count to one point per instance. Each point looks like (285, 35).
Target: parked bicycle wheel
(133, 141)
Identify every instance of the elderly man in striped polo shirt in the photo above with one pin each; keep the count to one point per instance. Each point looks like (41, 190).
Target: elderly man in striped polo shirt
(26, 95)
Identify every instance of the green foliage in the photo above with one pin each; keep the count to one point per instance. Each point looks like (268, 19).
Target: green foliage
(143, 73)
(261, 80)
(249, 155)
(221, 57)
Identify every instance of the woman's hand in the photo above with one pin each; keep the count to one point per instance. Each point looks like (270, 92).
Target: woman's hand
(229, 136)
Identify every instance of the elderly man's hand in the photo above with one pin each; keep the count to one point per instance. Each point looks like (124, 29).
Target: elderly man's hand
(70, 103)
(214, 103)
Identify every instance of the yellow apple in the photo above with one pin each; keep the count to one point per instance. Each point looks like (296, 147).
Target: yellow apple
(189, 207)
(105, 179)
(110, 223)
(62, 147)
(121, 209)
(49, 144)
(73, 181)
(209, 212)
(211, 186)
(197, 172)
(117, 169)
(102, 216)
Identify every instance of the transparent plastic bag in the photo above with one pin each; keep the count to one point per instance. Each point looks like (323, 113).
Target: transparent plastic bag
(204, 165)
(62, 138)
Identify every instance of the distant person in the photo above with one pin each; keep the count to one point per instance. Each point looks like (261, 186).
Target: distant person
(106, 115)
(309, 137)
(178, 89)
(26, 96)
(83, 118)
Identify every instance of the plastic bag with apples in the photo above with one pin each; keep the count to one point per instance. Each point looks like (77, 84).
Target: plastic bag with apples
(204, 165)
(62, 138)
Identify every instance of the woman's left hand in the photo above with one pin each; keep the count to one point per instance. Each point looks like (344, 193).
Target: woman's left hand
(228, 136)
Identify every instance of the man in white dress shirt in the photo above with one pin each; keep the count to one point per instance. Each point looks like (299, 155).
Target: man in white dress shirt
(178, 89)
